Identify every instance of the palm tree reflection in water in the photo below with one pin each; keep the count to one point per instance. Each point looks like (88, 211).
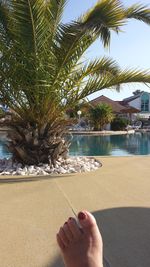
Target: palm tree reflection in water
(4, 153)
(110, 145)
(115, 145)
(91, 145)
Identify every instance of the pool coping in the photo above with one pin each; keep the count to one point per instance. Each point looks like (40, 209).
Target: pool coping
(94, 133)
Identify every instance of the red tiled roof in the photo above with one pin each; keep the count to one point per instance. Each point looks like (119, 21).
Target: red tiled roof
(117, 106)
(129, 109)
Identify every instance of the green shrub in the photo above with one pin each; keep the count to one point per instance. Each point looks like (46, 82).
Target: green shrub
(100, 115)
(119, 124)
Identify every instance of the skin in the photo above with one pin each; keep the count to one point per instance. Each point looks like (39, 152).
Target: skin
(80, 242)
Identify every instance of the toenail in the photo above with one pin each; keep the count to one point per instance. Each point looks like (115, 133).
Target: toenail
(65, 223)
(81, 216)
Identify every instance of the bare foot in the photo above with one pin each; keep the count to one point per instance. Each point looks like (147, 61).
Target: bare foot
(81, 246)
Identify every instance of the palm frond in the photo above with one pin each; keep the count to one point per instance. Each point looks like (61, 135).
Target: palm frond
(3, 17)
(114, 82)
(105, 16)
(75, 38)
(102, 66)
(70, 45)
(5, 33)
(95, 68)
(139, 12)
(54, 12)
(30, 23)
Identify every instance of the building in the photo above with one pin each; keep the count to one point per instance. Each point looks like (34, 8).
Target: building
(120, 108)
(141, 101)
(132, 107)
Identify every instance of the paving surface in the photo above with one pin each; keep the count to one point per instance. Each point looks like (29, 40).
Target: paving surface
(118, 194)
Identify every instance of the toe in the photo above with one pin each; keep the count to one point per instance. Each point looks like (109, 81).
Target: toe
(74, 228)
(89, 227)
(63, 237)
(68, 232)
(87, 221)
(60, 242)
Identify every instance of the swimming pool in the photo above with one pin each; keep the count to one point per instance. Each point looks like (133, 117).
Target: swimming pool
(4, 153)
(108, 145)
(111, 145)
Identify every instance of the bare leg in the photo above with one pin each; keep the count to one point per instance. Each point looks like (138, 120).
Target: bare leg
(81, 247)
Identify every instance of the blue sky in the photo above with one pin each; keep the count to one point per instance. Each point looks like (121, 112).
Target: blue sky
(130, 48)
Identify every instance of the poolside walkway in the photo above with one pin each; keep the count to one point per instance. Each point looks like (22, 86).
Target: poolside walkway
(118, 194)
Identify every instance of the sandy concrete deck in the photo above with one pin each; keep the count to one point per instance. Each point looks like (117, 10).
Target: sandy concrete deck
(118, 194)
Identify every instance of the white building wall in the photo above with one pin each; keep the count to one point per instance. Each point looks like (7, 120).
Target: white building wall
(136, 103)
(144, 115)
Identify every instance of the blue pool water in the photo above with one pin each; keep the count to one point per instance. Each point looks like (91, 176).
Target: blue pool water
(4, 153)
(108, 145)
(111, 145)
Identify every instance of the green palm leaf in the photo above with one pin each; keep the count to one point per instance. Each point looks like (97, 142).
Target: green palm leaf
(114, 82)
(139, 12)
(30, 23)
(97, 68)
(54, 12)
(105, 16)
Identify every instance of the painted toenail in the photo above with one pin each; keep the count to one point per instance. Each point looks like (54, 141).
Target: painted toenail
(81, 216)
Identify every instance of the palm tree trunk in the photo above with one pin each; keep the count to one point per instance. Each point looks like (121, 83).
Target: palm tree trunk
(31, 145)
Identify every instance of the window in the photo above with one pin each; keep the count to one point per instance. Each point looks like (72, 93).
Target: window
(145, 102)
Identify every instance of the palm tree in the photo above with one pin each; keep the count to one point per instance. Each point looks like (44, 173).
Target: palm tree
(42, 73)
(101, 115)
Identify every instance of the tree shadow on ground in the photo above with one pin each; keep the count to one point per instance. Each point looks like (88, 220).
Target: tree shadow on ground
(126, 236)
(30, 178)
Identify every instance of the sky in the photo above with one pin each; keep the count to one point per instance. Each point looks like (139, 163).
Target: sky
(131, 48)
